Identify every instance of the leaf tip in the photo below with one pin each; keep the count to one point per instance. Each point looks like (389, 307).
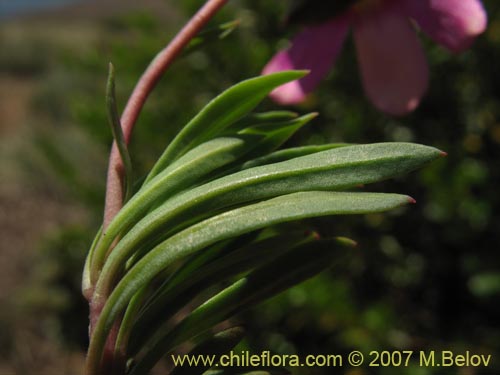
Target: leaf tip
(312, 234)
(293, 74)
(309, 117)
(302, 73)
(345, 241)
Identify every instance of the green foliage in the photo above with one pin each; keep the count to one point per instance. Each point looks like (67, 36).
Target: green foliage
(413, 282)
(281, 273)
(176, 215)
(219, 344)
(51, 291)
(224, 110)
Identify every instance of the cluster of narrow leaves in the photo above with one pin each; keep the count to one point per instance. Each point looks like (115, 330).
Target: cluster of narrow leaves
(203, 239)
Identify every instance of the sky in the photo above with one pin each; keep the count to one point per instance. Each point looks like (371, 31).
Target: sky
(10, 8)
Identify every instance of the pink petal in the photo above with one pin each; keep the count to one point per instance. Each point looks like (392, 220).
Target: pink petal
(452, 23)
(393, 66)
(315, 49)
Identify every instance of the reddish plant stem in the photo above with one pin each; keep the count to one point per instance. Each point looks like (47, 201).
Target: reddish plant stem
(114, 190)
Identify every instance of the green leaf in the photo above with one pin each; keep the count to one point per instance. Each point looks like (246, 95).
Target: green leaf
(210, 158)
(221, 227)
(220, 262)
(214, 347)
(116, 128)
(174, 295)
(333, 169)
(195, 165)
(87, 285)
(253, 119)
(274, 135)
(290, 153)
(210, 35)
(280, 274)
(220, 113)
(127, 322)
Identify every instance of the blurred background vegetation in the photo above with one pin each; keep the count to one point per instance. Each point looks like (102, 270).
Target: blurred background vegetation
(426, 278)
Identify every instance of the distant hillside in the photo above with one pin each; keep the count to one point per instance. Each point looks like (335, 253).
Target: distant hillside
(10, 8)
(78, 9)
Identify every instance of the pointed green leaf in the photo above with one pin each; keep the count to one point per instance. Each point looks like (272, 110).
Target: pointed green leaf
(333, 169)
(116, 129)
(284, 272)
(253, 119)
(220, 113)
(195, 165)
(290, 153)
(274, 135)
(87, 285)
(212, 157)
(221, 227)
(175, 295)
(210, 35)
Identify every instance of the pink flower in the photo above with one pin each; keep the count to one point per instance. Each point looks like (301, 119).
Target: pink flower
(392, 63)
